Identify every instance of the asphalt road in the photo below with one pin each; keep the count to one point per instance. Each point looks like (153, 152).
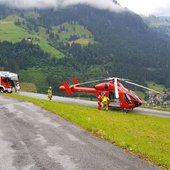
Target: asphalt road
(138, 110)
(34, 139)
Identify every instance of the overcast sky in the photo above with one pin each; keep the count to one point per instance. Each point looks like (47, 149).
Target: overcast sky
(145, 7)
(26, 4)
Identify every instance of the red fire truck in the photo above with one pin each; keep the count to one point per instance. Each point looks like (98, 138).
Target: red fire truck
(9, 82)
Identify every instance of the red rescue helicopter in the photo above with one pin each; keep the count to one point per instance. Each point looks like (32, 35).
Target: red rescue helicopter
(120, 97)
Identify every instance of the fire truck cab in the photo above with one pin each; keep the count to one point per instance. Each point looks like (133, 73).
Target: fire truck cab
(9, 82)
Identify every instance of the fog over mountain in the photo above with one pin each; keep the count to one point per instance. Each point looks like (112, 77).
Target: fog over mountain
(111, 5)
(164, 11)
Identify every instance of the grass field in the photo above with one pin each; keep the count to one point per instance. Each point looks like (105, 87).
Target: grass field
(157, 107)
(141, 94)
(155, 86)
(28, 87)
(82, 41)
(146, 136)
(160, 108)
(35, 77)
(66, 30)
(12, 33)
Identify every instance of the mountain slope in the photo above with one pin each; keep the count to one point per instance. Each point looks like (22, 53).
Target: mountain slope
(159, 24)
(119, 44)
(125, 45)
(15, 32)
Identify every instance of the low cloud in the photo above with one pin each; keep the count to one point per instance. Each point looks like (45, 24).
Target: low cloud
(162, 11)
(42, 4)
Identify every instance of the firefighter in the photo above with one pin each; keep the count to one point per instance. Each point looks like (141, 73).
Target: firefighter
(50, 93)
(99, 101)
(105, 102)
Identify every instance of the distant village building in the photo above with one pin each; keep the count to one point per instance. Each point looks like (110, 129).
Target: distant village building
(29, 39)
(162, 99)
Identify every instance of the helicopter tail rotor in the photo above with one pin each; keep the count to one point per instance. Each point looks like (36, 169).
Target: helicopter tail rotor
(67, 87)
(76, 82)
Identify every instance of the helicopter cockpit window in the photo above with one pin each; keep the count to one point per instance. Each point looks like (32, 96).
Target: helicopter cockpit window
(5, 79)
(127, 98)
(134, 95)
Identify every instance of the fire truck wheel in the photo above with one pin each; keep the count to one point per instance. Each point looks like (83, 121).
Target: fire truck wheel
(1, 90)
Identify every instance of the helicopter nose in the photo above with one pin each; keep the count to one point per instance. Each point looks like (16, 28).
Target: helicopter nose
(138, 103)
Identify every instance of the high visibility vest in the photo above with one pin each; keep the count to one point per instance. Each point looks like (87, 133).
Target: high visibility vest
(105, 100)
(49, 92)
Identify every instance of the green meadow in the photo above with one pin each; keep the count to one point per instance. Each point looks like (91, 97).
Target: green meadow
(10, 32)
(66, 30)
(143, 135)
(157, 87)
(13, 33)
(29, 87)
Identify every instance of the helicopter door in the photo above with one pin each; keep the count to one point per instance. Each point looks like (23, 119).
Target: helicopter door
(112, 96)
(113, 101)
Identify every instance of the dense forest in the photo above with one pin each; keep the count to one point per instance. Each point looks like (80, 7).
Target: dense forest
(159, 24)
(123, 46)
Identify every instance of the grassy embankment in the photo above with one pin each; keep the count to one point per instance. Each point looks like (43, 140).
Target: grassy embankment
(28, 87)
(146, 136)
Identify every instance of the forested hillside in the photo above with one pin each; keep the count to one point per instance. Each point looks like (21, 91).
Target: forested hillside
(94, 43)
(33, 65)
(160, 25)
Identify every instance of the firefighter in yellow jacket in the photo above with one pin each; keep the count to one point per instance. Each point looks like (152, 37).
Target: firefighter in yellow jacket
(50, 93)
(105, 102)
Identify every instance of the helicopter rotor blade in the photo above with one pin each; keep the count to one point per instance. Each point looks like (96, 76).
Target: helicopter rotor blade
(135, 84)
(138, 85)
(87, 82)
(116, 84)
(113, 78)
(116, 88)
(94, 81)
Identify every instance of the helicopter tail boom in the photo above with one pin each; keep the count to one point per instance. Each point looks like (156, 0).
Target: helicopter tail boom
(70, 89)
